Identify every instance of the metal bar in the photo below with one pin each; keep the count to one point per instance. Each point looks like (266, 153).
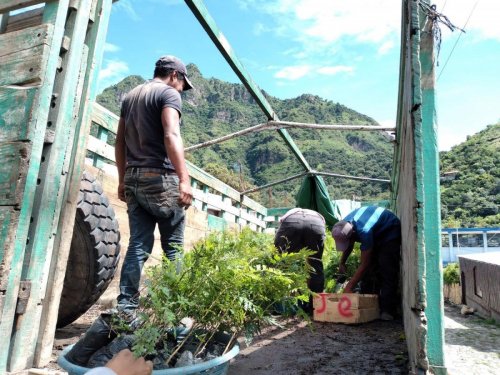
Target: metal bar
(208, 23)
(274, 183)
(227, 137)
(274, 125)
(312, 173)
(327, 174)
(291, 124)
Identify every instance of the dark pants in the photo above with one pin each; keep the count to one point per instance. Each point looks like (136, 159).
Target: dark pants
(304, 230)
(152, 198)
(382, 277)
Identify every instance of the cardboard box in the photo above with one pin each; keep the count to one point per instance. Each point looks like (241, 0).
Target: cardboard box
(349, 308)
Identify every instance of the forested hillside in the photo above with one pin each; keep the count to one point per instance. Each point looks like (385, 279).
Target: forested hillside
(470, 172)
(215, 108)
(470, 181)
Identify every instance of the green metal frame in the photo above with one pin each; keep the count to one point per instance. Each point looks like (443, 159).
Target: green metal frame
(208, 23)
(432, 204)
(62, 165)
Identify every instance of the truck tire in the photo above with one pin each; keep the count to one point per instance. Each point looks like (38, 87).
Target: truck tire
(94, 253)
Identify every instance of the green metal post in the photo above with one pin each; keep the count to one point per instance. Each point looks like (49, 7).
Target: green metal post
(432, 213)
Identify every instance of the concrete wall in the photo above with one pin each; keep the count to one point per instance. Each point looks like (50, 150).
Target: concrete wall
(481, 279)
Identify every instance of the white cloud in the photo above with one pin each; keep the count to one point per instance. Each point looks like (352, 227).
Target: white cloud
(109, 47)
(293, 73)
(332, 70)
(330, 20)
(112, 72)
(385, 47)
(128, 7)
(484, 16)
(259, 28)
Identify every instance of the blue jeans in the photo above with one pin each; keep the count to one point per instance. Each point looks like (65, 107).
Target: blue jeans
(152, 198)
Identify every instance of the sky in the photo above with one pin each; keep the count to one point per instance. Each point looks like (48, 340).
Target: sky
(346, 51)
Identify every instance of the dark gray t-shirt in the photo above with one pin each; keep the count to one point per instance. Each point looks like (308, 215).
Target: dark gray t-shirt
(141, 109)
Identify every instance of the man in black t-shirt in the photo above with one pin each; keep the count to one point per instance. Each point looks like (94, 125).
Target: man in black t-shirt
(153, 178)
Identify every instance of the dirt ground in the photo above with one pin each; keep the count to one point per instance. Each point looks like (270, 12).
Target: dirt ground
(472, 344)
(325, 348)
(322, 348)
(472, 347)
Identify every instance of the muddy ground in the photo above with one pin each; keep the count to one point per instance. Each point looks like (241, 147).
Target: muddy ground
(472, 347)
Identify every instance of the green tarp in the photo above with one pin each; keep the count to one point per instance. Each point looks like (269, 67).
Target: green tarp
(313, 195)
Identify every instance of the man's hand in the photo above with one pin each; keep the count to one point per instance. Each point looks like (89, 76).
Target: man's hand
(185, 194)
(348, 288)
(124, 363)
(121, 192)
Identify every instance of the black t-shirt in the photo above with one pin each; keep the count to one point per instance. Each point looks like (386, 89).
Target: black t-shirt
(141, 109)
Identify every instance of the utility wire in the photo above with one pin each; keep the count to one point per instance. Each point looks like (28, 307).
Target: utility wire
(444, 5)
(456, 42)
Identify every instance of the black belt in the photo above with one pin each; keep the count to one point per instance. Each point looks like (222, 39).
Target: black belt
(158, 171)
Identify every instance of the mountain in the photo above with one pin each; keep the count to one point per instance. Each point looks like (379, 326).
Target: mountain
(216, 108)
(470, 181)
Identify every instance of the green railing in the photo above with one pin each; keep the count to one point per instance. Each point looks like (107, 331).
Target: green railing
(223, 203)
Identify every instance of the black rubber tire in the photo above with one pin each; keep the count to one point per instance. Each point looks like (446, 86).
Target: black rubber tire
(94, 254)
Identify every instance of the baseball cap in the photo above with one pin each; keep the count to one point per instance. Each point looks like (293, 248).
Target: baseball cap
(172, 62)
(341, 233)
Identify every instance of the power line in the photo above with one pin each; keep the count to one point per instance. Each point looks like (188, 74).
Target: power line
(444, 5)
(456, 42)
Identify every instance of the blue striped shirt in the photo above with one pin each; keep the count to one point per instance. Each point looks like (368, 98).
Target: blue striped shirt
(374, 226)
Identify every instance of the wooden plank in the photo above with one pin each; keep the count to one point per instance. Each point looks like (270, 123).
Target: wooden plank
(210, 181)
(4, 18)
(95, 41)
(8, 5)
(101, 148)
(55, 13)
(8, 223)
(15, 112)
(51, 193)
(253, 205)
(104, 118)
(15, 158)
(23, 67)
(216, 201)
(25, 39)
(24, 54)
(24, 20)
